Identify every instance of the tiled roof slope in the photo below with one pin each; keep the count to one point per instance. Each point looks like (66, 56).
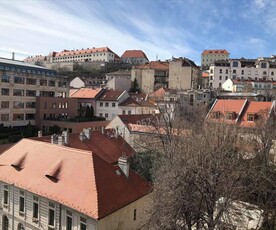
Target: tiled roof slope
(240, 109)
(111, 95)
(86, 93)
(131, 102)
(105, 146)
(159, 65)
(215, 52)
(134, 54)
(84, 181)
(83, 51)
(139, 119)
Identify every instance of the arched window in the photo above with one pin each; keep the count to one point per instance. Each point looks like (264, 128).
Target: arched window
(20, 227)
(5, 223)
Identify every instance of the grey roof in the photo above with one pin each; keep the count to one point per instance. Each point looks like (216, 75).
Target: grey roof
(20, 63)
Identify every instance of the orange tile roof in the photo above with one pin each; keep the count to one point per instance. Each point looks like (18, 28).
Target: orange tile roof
(86, 93)
(105, 146)
(134, 54)
(159, 65)
(205, 74)
(83, 181)
(111, 95)
(260, 108)
(215, 52)
(83, 51)
(144, 119)
(158, 93)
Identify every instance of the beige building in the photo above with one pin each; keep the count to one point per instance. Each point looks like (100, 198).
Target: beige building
(183, 74)
(38, 189)
(151, 76)
(210, 56)
(20, 84)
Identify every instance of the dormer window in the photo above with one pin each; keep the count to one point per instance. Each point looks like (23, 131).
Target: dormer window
(230, 116)
(215, 114)
(252, 116)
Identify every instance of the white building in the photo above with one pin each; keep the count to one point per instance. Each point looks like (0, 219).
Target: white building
(210, 56)
(107, 105)
(52, 186)
(77, 83)
(241, 69)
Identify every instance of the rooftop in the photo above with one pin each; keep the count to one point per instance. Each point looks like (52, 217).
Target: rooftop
(86, 93)
(100, 189)
(158, 65)
(215, 52)
(134, 54)
(111, 95)
(83, 51)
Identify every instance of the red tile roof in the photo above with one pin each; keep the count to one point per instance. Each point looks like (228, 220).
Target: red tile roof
(215, 52)
(205, 74)
(111, 95)
(131, 102)
(159, 65)
(134, 54)
(140, 119)
(105, 146)
(83, 51)
(84, 181)
(158, 93)
(86, 93)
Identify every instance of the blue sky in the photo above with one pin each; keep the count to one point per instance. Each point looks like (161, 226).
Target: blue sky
(246, 28)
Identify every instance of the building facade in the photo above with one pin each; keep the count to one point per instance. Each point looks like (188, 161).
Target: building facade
(241, 69)
(20, 84)
(208, 57)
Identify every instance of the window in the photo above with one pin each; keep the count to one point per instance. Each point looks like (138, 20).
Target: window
(68, 220)
(242, 72)
(18, 92)
(18, 117)
(264, 72)
(101, 104)
(134, 214)
(220, 78)
(5, 223)
(124, 112)
(30, 93)
(272, 73)
(220, 84)
(82, 223)
(234, 71)
(18, 104)
(251, 117)
(51, 83)
(226, 71)
(19, 80)
(20, 227)
(51, 215)
(5, 92)
(6, 195)
(106, 115)
(30, 81)
(220, 70)
(263, 65)
(5, 117)
(106, 104)
(235, 64)
(100, 114)
(5, 79)
(21, 201)
(230, 115)
(129, 112)
(5, 104)
(226, 77)
(43, 82)
(30, 105)
(30, 116)
(35, 208)
(113, 104)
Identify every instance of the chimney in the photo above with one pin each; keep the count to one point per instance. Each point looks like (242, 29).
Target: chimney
(12, 55)
(54, 139)
(102, 130)
(124, 165)
(82, 136)
(65, 135)
(60, 140)
(87, 133)
(116, 132)
(39, 133)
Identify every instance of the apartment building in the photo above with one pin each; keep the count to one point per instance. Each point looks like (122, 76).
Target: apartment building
(134, 57)
(38, 190)
(20, 84)
(151, 76)
(183, 74)
(101, 54)
(241, 69)
(208, 57)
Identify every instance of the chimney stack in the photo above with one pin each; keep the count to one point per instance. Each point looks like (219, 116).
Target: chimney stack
(124, 165)
(82, 136)
(60, 140)
(65, 135)
(12, 55)
(87, 132)
(54, 139)
(102, 130)
(39, 133)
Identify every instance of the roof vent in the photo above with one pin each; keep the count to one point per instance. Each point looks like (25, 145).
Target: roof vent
(65, 136)
(19, 164)
(60, 140)
(54, 173)
(39, 133)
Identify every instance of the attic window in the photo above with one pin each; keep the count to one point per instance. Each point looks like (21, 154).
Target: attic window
(230, 116)
(215, 114)
(252, 116)
(19, 164)
(54, 173)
